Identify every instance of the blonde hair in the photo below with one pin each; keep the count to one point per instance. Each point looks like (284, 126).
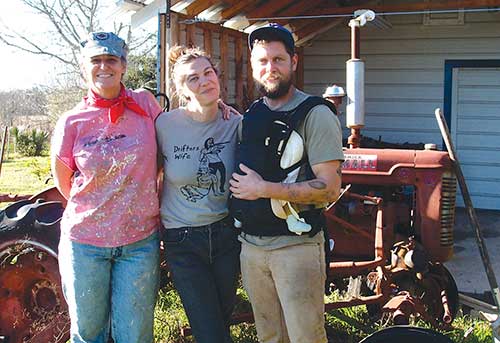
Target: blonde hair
(179, 55)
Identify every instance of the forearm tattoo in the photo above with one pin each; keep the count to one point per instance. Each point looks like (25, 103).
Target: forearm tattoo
(316, 184)
(292, 192)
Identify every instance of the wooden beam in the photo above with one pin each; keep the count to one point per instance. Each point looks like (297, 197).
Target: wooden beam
(267, 9)
(307, 29)
(315, 28)
(238, 60)
(149, 11)
(299, 7)
(175, 37)
(415, 6)
(198, 6)
(224, 63)
(237, 8)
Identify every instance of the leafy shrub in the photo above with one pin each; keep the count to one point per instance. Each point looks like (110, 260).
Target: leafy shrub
(32, 143)
(39, 168)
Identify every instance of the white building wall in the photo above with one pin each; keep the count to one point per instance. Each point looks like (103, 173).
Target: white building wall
(404, 69)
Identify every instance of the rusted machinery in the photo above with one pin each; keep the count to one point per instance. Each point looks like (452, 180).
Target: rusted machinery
(394, 225)
(391, 231)
(31, 301)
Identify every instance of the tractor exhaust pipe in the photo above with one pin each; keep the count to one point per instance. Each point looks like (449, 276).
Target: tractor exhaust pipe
(355, 80)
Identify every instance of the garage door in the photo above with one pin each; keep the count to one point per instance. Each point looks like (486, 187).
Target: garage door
(475, 127)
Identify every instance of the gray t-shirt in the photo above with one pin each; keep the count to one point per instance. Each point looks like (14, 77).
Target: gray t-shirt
(322, 136)
(198, 160)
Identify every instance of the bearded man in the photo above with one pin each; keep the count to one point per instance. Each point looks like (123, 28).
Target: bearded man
(283, 256)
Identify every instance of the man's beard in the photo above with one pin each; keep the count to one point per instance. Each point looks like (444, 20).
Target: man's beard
(277, 91)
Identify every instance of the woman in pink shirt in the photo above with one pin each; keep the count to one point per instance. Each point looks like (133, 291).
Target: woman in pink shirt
(104, 162)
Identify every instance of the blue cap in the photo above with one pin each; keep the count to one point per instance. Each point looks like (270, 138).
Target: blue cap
(272, 32)
(104, 43)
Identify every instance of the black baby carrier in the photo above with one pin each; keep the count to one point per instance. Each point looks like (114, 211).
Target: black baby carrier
(265, 136)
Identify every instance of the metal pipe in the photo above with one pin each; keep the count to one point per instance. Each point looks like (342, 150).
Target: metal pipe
(355, 80)
(353, 267)
(372, 299)
(447, 318)
(355, 51)
(379, 232)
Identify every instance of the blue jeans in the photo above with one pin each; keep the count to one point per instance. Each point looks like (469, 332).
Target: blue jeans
(205, 266)
(110, 289)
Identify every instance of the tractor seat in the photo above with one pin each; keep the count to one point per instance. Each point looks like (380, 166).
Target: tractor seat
(25, 215)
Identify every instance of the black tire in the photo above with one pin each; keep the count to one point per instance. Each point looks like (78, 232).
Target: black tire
(406, 334)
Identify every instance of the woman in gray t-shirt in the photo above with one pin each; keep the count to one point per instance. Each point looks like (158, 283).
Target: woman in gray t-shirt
(198, 147)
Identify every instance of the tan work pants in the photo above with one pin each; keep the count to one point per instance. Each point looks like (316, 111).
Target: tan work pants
(286, 289)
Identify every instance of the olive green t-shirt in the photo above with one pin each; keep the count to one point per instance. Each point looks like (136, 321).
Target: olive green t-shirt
(322, 135)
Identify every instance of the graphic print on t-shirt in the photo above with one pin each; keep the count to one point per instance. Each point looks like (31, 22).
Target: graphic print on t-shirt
(211, 174)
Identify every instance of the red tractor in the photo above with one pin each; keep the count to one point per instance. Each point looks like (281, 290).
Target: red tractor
(393, 226)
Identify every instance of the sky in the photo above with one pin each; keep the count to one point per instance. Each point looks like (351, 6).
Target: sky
(19, 70)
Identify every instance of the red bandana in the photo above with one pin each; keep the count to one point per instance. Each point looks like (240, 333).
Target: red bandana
(116, 106)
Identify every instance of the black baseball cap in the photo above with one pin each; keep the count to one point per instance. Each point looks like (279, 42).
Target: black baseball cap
(272, 32)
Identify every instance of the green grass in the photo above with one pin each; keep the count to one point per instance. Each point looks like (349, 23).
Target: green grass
(24, 175)
(20, 175)
(347, 325)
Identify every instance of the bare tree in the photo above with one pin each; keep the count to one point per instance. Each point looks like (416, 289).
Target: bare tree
(69, 20)
(22, 103)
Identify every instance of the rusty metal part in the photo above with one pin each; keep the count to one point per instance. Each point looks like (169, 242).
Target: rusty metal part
(447, 317)
(431, 295)
(33, 306)
(402, 306)
(348, 268)
(13, 197)
(477, 304)
(354, 139)
(50, 194)
(430, 176)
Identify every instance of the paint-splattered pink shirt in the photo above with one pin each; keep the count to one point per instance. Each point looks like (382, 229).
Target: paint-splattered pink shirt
(113, 199)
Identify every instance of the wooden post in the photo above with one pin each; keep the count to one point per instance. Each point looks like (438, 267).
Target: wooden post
(173, 39)
(4, 140)
(224, 61)
(190, 33)
(250, 84)
(207, 41)
(238, 46)
(162, 60)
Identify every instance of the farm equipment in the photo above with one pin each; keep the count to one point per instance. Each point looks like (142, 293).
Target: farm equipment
(391, 231)
(31, 299)
(393, 226)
